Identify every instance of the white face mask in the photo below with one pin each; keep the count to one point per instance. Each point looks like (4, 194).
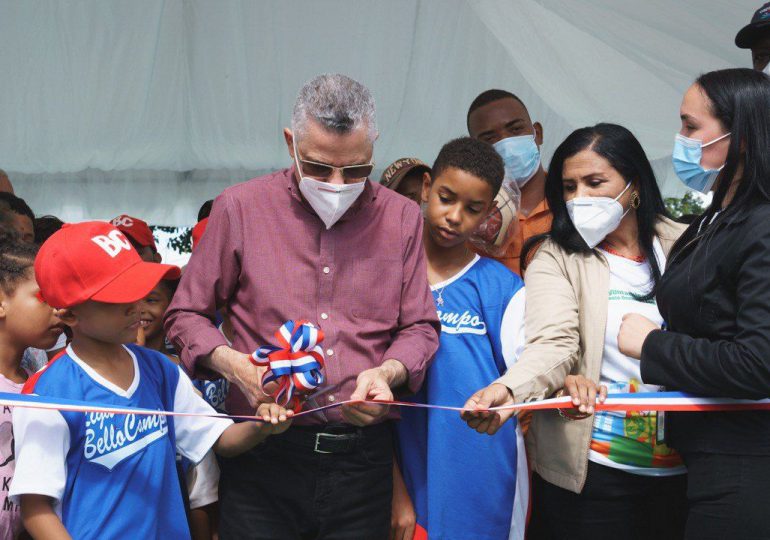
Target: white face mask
(596, 217)
(766, 71)
(330, 201)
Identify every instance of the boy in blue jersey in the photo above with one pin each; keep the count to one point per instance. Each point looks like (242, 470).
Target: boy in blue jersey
(100, 475)
(462, 485)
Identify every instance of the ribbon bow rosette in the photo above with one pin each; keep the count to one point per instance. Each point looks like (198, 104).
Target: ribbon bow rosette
(295, 364)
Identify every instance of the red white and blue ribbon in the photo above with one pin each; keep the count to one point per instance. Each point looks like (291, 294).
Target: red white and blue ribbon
(630, 401)
(642, 401)
(296, 364)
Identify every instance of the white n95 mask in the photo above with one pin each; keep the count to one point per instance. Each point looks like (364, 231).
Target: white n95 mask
(330, 201)
(596, 217)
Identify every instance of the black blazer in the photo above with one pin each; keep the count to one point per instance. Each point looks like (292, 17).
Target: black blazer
(715, 298)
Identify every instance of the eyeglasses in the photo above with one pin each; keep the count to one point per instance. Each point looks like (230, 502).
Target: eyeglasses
(323, 170)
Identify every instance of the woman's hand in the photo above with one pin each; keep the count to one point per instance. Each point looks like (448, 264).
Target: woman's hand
(484, 421)
(634, 329)
(583, 392)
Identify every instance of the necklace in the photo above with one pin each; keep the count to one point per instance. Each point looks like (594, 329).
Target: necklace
(636, 258)
(440, 292)
(440, 299)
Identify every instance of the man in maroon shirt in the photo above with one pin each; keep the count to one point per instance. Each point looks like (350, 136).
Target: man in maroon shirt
(320, 242)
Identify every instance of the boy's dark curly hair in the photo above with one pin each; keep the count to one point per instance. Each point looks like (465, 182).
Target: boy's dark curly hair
(474, 157)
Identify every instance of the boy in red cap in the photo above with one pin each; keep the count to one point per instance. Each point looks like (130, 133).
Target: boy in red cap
(140, 236)
(100, 475)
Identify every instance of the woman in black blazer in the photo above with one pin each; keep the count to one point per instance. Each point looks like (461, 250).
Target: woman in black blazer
(715, 299)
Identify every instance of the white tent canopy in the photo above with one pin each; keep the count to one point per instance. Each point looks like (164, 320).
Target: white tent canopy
(150, 107)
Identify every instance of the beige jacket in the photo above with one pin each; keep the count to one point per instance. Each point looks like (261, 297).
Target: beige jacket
(566, 318)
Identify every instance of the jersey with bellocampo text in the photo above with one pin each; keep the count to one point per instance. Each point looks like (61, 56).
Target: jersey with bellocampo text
(113, 475)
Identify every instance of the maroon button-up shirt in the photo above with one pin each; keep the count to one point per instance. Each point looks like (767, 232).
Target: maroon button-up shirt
(268, 257)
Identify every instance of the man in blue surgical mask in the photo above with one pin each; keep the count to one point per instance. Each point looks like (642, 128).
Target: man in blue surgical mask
(501, 119)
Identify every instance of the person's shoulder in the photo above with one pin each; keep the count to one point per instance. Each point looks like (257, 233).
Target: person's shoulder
(276, 179)
(153, 361)
(757, 216)
(551, 257)
(548, 248)
(150, 356)
(668, 229)
(55, 378)
(491, 273)
(668, 232)
(751, 229)
(497, 270)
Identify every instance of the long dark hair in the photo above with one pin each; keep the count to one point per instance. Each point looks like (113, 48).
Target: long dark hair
(618, 146)
(740, 100)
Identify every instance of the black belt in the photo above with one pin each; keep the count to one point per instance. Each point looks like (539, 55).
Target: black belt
(331, 438)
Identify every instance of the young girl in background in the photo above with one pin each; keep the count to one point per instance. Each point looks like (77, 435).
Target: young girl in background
(25, 321)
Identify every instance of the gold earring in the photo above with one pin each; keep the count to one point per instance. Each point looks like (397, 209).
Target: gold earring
(635, 200)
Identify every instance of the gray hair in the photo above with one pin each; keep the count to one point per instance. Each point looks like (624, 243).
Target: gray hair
(337, 102)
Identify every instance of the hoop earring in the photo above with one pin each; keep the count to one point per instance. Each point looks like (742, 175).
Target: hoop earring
(635, 200)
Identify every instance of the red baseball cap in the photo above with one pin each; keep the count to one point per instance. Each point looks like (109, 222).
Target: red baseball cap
(93, 260)
(198, 230)
(136, 229)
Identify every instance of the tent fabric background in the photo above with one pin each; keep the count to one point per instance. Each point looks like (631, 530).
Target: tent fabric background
(150, 107)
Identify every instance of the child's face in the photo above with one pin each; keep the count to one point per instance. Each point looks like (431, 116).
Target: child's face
(457, 204)
(151, 310)
(30, 321)
(108, 323)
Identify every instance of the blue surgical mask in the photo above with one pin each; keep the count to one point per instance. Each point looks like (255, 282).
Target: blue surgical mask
(521, 157)
(686, 159)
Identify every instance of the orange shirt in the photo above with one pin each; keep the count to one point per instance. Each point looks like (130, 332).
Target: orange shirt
(537, 222)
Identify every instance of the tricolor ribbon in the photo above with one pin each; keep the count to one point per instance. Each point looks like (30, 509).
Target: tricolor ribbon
(641, 401)
(295, 364)
(627, 401)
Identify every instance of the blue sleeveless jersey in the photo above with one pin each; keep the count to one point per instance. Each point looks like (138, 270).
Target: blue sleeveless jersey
(464, 484)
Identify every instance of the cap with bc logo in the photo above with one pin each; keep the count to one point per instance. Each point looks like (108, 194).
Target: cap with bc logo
(93, 260)
(136, 229)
